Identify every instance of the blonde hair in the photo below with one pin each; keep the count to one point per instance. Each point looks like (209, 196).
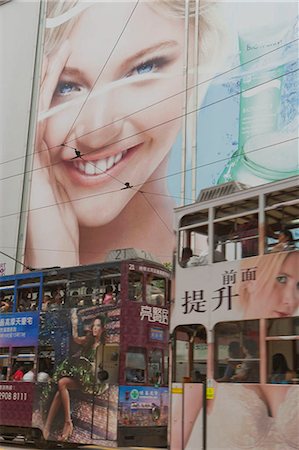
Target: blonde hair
(212, 29)
(268, 267)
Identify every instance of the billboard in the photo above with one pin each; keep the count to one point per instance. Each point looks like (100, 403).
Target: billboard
(136, 116)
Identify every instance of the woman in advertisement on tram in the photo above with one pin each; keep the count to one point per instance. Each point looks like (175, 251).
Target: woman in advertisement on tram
(111, 106)
(275, 293)
(77, 372)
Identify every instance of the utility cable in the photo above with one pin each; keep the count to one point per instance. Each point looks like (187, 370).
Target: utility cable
(161, 101)
(163, 123)
(157, 179)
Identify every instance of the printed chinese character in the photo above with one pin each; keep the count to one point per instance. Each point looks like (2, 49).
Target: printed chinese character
(249, 274)
(146, 311)
(229, 277)
(194, 302)
(224, 293)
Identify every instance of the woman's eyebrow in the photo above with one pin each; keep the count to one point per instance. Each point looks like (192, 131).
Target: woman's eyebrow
(165, 45)
(73, 72)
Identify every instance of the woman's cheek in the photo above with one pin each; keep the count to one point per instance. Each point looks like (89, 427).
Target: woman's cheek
(58, 127)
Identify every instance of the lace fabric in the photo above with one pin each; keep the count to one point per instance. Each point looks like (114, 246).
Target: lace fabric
(240, 420)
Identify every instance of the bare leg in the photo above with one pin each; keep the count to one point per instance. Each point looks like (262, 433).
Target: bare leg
(64, 385)
(55, 405)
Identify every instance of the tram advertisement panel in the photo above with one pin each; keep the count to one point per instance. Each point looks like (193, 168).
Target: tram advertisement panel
(16, 401)
(257, 287)
(143, 406)
(19, 329)
(84, 346)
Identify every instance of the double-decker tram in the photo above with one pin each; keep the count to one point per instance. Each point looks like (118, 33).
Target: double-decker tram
(234, 327)
(84, 353)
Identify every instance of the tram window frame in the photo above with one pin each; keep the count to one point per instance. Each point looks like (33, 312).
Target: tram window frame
(7, 304)
(282, 338)
(51, 289)
(132, 365)
(241, 332)
(185, 370)
(155, 295)
(155, 368)
(193, 246)
(32, 297)
(135, 292)
(22, 355)
(5, 363)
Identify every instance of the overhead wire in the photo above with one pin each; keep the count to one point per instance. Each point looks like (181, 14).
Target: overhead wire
(160, 101)
(157, 179)
(162, 123)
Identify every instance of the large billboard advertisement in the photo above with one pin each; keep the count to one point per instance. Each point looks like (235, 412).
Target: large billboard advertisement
(131, 124)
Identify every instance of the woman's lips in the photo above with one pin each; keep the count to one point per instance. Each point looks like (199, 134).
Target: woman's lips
(93, 172)
(281, 314)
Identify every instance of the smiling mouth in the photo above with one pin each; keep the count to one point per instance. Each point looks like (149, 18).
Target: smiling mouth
(96, 167)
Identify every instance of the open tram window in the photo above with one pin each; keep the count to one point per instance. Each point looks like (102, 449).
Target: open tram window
(281, 217)
(6, 300)
(155, 290)
(155, 367)
(135, 286)
(237, 351)
(45, 363)
(283, 350)
(23, 359)
(4, 363)
(27, 299)
(194, 246)
(109, 286)
(135, 365)
(190, 349)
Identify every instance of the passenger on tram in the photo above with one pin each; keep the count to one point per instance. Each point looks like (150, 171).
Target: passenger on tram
(234, 357)
(249, 369)
(285, 241)
(281, 372)
(29, 375)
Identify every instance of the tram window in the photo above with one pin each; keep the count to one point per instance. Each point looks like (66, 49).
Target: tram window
(135, 365)
(27, 299)
(238, 236)
(135, 288)
(283, 350)
(237, 351)
(155, 290)
(82, 293)
(6, 301)
(190, 354)
(54, 297)
(45, 363)
(110, 286)
(194, 246)
(155, 366)
(22, 360)
(4, 363)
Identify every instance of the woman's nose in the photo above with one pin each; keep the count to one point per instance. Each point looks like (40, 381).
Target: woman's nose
(290, 295)
(98, 124)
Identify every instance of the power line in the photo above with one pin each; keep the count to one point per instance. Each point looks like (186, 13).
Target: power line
(162, 100)
(157, 179)
(162, 123)
(155, 211)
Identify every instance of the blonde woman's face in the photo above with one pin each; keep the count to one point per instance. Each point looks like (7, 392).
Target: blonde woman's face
(133, 71)
(284, 297)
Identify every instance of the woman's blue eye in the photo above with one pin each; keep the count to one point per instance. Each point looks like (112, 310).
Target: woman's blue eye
(282, 279)
(145, 68)
(65, 88)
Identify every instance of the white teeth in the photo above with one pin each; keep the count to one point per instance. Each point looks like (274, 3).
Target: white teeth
(118, 157)
(90, 169)
(100, 166)
(110, 162)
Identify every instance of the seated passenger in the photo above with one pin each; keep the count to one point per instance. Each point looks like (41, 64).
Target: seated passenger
(285, 242)
(249, 369)
(108, 296)
(29, 375)
(234, 354)
(280, 370)
(186, 255)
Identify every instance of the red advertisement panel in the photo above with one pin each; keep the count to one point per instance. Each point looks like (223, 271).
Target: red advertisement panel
(16, 401)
